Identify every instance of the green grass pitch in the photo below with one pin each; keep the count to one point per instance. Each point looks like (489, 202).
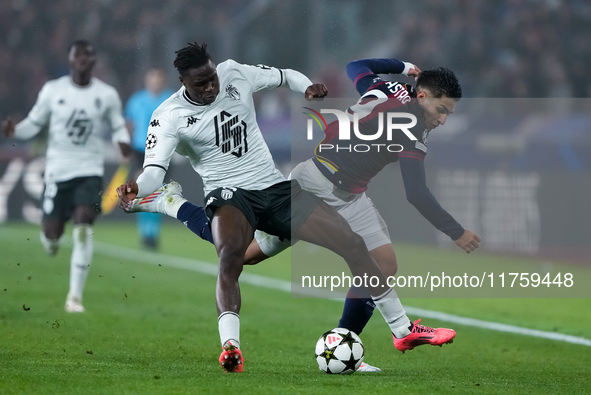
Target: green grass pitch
(151, 328)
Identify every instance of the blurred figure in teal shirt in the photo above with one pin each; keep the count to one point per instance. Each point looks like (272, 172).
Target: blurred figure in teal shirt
(138, 112)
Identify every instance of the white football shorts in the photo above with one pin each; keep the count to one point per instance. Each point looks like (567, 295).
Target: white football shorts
(357, 209)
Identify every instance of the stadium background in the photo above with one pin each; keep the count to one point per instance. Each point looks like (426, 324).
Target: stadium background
(522, 182)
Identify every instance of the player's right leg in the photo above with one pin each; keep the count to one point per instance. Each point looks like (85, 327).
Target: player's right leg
(54, 218)
(325, 227)
(232, 233)
(359, 306)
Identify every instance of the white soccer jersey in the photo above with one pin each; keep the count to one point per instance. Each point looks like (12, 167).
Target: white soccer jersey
(222, 140)
(77, 116)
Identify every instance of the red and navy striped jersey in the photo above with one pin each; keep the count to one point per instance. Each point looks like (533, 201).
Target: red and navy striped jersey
(351, 164)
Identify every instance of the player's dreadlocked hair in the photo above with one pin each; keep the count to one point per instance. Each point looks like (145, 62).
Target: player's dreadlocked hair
(441, 82)
(191, 57)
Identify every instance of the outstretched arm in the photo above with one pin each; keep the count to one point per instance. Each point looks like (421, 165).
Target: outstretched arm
(298, 82)
(359, 69)
(8, 127)
(150, 180)
(24, 130)
(419, 195)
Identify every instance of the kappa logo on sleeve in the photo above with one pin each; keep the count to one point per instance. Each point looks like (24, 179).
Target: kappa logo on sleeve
(151, 141)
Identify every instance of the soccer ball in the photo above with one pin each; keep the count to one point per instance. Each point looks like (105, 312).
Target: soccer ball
(339, 351)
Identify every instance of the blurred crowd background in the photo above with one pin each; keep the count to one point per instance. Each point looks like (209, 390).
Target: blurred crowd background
(498, 48)
(512, 169)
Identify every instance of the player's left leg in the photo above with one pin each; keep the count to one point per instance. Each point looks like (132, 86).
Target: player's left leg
(85, 198)
(169, 200)
(264, 246)
(81, 259)
(359, 306)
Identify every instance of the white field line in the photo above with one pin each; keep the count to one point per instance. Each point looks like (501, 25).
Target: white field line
(281, 285)
(208, 268)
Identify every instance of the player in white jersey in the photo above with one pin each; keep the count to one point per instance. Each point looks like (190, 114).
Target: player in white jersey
(77, 108)
(211, 120)
(227, 126)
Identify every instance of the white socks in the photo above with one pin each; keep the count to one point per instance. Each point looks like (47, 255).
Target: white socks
(229, 328)
(81, 258)
(172, 208)
(393, 312)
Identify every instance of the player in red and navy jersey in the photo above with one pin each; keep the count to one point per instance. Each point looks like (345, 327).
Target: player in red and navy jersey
(431, 102)
(342, 168)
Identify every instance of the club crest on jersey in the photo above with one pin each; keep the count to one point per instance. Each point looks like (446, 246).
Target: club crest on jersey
(227, 193)
(230, 134)
(155, 123)
(98, 103)
(423, 146)
(232, 92)
(425, 135)
(151, 141)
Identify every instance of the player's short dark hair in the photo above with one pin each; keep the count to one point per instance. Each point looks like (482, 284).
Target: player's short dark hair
(80, 43)
(440, 81)
(191, 57)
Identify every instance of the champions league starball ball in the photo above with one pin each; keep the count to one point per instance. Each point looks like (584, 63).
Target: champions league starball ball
(339, 351)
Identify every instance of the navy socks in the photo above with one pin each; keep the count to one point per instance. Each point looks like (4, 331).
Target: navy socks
(358, 309)
(194, 218)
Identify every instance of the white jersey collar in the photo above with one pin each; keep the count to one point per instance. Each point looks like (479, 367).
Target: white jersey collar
(75, 85)
(187, 98)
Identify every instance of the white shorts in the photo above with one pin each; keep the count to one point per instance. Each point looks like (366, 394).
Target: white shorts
(357, 209)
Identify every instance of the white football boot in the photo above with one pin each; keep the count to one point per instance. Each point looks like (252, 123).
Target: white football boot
(165, 200)
(74, 305)
(365, 367)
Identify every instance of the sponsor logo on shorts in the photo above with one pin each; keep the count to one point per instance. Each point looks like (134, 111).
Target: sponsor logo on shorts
(227, 194)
